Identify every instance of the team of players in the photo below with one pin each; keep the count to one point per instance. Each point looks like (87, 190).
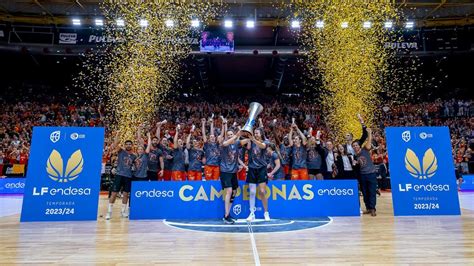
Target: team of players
(228, 157)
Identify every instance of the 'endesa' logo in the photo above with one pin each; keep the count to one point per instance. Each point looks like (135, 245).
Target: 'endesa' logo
(15, 185)
(154, 193)
(336, 192)
(424, 187)
(69, 191)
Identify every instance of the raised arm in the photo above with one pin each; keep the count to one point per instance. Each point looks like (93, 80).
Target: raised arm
(275, 133)
(231, 140)
(188, 139)
(212, 132)
(304, 140)
(175, 139)
(115, 145)
(203, 129)
(158, 129)
(319, 147)
(223, 128)
(140, 139)
(364, 129)
(290, 136)
(148, 146)
(260, 144)
(368, 143)
(244, 142)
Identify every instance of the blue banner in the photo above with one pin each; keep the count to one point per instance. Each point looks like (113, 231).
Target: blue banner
(422, 171)
(205, 200)
(467, 183)
(12, 185)
(63, 177)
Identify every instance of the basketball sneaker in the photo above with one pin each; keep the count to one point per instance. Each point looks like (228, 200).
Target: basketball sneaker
(108, 216)
(251, 217)
(266, 216)
(124, 214)
(228, 220)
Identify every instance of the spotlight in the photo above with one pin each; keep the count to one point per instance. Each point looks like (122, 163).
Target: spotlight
(250, 24)
(228, 24)
(76, 22)
(169, 23)
(194, 23)
(345, 24)
(409, 24)
(319, 24)
(99, 22)
(143, 23)
(367, 24)
(120, 22)
(295, 24)
(388, 24)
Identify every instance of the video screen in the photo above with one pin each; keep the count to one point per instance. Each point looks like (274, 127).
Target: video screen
(217, 41)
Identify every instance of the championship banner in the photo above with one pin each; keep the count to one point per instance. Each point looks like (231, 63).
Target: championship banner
(422, 171)
(63, 176)
(12, 185)
(205, 200)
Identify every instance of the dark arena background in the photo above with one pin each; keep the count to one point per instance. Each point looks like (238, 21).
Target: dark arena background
(237, 132)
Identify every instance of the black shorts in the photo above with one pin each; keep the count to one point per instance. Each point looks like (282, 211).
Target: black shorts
(229, 180)
(257, 175)
(327, 175)
(122, 182)
(314, 171)
(151, 176)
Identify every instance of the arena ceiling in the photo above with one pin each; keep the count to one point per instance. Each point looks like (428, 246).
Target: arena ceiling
(425, 12)
(239, 71)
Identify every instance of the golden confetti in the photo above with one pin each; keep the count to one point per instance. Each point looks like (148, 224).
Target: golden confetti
(350, 60)
(133, 75)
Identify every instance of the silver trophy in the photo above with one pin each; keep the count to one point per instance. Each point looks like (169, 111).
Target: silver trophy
(254, 110)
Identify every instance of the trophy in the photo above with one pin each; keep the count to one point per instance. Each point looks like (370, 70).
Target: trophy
(254, 110)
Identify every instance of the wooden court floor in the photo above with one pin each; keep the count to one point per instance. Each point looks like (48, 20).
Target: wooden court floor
(381, 240)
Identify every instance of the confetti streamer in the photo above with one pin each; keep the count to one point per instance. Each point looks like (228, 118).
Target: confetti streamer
(349, 60)
(133, 76)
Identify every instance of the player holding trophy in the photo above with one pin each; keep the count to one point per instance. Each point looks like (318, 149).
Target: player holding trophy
(257, 174)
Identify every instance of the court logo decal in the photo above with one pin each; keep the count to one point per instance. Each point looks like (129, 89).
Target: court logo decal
(258, 226)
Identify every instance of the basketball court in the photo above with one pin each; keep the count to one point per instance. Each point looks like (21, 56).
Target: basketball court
(383, 239)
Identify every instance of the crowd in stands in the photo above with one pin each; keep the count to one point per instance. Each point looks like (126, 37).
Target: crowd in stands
(18, 118)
